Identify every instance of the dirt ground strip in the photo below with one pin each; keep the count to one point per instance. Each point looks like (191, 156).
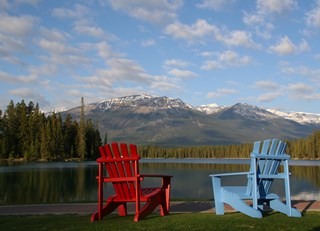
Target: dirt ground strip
(88, 208)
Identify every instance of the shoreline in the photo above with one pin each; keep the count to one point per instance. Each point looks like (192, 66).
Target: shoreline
(175, 207)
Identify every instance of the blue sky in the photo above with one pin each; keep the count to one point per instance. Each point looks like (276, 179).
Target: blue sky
(263, 52)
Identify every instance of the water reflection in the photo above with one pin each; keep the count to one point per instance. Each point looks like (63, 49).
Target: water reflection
(75, 181)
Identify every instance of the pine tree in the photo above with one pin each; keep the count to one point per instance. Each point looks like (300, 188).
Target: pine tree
(81, 133)
(24, 140)
(2, 133)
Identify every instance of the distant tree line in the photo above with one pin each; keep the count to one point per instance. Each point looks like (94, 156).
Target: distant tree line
(307, 148)
(26, 132)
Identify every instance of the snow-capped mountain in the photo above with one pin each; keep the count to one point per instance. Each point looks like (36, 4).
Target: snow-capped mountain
(146, 103)
(210, 108)
(149, 103)
(146, 119)
(299, 117)
(250, 110)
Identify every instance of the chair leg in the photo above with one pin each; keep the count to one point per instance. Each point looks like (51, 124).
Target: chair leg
(151, 204)
(122, 209)
(109, 208)
(164, 204)
(283, 208)
(216, 187)
(241, 206)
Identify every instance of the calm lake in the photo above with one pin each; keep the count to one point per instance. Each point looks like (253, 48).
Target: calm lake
(60, 182)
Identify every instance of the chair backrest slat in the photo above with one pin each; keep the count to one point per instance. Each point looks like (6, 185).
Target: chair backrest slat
(111, 167)
(269, 166)
(275, 164)
(265, 166)
(120, 169)
(123, 166)
(129, 168)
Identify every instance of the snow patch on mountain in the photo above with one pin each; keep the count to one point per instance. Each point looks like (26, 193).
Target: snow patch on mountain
(299, 117)
(144, 103)
(149, 102)
(210, 108)
(254, 111)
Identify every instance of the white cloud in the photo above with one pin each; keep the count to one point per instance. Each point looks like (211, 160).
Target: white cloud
(313, 17)
(207, 53)
(44, 70)
(301, 70)
(215, 5)
(79, 11)
(221, 92)
(153, 11)
(29, 2)
(265, 12)
(11, 44)
(268, 97)
(62, 53)
(105, 50)
(83, 27)
(6, 77)
(258, 22)
(238, 38)
(300, 88)
(17, 25)
(148, 43)
(29, 94)
(302, 91)
(232, 58)
(266, 85)
(226, 59)
(211, 65)
(286, 47)
(193, 33)
(54, 34)
(182, 73)
(4, 4)
(275, 6)
(202, 30)
(121, 69)
(53, 46)
(164, 86)
(175, 63)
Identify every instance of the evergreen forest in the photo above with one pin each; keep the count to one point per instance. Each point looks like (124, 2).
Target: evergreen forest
(305, 148)
(27, 133)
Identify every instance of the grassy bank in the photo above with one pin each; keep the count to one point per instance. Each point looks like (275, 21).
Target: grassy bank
(179, 221)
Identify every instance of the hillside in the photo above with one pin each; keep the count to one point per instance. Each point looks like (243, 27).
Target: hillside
(153, 120)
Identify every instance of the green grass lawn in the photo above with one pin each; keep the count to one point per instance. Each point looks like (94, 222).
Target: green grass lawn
(177, 221)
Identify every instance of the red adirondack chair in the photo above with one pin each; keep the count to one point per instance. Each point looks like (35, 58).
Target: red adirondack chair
(122, 167)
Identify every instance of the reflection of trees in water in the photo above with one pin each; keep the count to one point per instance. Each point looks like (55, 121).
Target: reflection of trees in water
(310, 173)
(212, 167)
(48, 185)
(303, 178)
(190, 181)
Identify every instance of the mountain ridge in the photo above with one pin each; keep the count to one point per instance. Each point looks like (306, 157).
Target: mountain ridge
(146, 119)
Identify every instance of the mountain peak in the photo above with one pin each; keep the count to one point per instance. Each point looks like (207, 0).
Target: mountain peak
(143, 102)
(246, 111)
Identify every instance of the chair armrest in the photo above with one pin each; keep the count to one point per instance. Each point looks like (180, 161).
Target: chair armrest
(153, 175)
(166, 179)
(231, 174)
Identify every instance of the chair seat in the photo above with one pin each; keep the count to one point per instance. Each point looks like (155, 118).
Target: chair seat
(241, 192)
